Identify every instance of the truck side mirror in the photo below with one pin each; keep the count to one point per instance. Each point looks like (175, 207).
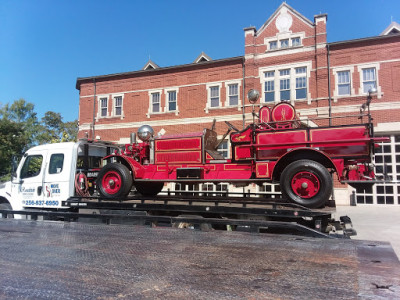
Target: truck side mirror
(14, 166)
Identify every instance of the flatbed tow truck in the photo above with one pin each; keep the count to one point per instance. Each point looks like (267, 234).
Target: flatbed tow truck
(71, 228)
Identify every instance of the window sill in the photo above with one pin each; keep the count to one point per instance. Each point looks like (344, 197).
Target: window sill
(110, 117)
(162, 113)
(283, 49)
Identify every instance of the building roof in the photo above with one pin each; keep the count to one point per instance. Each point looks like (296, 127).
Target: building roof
(80, 80)
(371, 38)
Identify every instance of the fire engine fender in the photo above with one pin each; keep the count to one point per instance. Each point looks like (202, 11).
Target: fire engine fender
(310, 154)
(136, 168)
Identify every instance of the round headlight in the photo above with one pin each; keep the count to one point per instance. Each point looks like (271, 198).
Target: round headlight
(145, 132)
(253, 96)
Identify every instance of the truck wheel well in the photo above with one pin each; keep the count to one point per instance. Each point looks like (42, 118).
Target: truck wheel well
(313, 155)
(4, 200)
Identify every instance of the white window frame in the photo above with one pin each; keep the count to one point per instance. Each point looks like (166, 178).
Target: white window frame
(360, 69)
(166, 108)
(209, 86)
(292, 67)
(296, 76)
(99, 107)
(295, 38)
(239, 84)
(336, 90)
(275, 43)
(114, 108)
(150, 110)
(284, 36)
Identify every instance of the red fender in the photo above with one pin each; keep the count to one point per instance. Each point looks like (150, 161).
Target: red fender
(338, 164)
(137, 169)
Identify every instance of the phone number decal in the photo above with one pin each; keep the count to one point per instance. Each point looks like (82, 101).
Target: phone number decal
(41, 202)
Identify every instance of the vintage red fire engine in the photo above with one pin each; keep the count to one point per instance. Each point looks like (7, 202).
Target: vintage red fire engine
(277, 148)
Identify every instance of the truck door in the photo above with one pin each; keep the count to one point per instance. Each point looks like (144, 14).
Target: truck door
(28, 187)
(58, 181)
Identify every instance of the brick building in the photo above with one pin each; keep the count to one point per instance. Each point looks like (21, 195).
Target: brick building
(287, 58)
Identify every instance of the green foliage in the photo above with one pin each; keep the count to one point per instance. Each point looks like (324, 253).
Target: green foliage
(20, 129)
(12, 142)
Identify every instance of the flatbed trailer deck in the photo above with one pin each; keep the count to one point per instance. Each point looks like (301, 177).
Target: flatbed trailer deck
(63, 260)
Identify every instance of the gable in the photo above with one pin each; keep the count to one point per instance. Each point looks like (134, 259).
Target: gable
(393, 28)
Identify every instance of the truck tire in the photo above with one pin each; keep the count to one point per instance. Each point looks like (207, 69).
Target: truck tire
(114, 181)
(307, 183)
(7, 206)
(149, 188)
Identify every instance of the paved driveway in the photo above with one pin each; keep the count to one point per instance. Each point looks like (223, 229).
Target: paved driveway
(375, 223)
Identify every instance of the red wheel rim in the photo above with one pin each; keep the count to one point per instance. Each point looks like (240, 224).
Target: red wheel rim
(305, 184)
(111, 182)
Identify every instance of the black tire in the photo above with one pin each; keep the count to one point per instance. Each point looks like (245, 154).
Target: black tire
(307, 183)
(149, 188)
(7, 206)
(114, 181)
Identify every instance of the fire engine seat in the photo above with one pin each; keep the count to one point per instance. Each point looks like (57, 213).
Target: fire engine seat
(210, 142)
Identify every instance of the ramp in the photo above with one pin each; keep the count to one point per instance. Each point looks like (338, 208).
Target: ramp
(57, 260)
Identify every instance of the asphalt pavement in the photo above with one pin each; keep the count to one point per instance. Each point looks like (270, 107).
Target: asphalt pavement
(374, 223)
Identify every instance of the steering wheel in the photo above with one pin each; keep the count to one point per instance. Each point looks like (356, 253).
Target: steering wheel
(231, 127)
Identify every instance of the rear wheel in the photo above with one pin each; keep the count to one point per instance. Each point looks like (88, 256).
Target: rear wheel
(149, 188)
(307, 183)
(114, 181)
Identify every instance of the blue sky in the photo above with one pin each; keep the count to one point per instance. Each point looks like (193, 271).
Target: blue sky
(46, 44)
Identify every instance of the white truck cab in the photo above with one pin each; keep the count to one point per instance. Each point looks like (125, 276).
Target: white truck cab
(52, 173)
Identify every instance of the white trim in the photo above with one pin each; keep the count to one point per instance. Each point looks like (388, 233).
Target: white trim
(336, 88)
(113, 96)
(166, 110)
(231, 82)
(375, 106)
(98, 115)
(292, 67)
(284, 36)
(208, 104)
(375, 65)
(150, 110)
(386, 128)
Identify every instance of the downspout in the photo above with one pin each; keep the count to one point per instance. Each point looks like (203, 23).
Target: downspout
(94, 109)
(243, 93)
(329, 88)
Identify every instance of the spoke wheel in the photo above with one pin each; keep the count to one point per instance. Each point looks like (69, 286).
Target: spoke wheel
(114, 181)
(307, 183)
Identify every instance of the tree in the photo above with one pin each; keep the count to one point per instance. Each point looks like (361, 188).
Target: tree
(54, 130)
(12, 142)
(20, 130)
(22, 112)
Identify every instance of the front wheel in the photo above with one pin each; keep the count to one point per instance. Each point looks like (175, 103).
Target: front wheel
(114, 181)
(307, 183)
(7, 206)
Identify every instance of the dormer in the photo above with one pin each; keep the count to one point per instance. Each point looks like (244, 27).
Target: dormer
(150, 65)
(393, 28)
(202, 58)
